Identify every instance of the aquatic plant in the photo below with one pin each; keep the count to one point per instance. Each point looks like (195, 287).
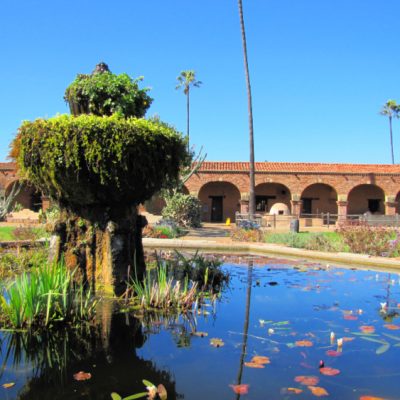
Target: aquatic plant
(162, 292)
(177, 284)
(13, 263)
(44, 295)
(153, 392)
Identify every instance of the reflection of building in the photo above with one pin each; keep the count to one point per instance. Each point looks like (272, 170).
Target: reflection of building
(304, 188)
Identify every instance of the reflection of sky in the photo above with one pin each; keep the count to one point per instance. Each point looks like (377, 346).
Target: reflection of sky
(298, 304)
(314, 303)
(10, 373)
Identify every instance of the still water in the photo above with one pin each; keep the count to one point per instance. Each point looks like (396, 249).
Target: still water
(290, 312)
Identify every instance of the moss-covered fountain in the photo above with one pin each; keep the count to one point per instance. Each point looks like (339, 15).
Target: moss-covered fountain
(99, 164)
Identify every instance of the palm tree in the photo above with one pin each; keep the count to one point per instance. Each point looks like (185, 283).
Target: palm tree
(391, 109)
(186, 80)
(252, 197)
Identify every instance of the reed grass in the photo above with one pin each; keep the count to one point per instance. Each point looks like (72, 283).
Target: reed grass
(179, 285)
(43, 296)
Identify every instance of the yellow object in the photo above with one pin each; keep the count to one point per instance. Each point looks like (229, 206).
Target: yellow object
(228, 222)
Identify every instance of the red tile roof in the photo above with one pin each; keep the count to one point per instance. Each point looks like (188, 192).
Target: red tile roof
(7, 166)
(294, 167)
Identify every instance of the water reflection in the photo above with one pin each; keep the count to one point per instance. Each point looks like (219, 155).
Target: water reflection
(107, 351)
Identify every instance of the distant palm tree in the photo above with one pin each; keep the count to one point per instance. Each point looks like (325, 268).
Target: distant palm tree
(391, 110)
(252, 197)
(186, 80)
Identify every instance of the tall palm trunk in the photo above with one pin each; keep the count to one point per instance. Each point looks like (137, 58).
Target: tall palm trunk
(187, 117)
(252, 199)
(391, 137)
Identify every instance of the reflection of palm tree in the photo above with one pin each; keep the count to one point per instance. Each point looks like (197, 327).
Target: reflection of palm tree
(246, 324)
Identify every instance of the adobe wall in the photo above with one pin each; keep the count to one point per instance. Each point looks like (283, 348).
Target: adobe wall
(330, 193)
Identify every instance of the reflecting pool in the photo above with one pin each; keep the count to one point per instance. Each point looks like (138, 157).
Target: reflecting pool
(278, 323)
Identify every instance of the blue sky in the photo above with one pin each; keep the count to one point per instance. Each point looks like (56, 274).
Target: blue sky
(320, 69)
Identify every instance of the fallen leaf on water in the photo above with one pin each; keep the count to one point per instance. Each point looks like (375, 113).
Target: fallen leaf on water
(392, 327)
(333, 353)
(240, 389)
(307, 380)
(329, 371)
(294, 390)
(371, 398)
(216, 342)
(304, 343)
(82, 376)
(200, 334)
(350, 317)
(367, 329)
(261, 360)
(318, 391)
(391, 336)
(382, 349)
(253, 365)
(8, 385)
(348, 339)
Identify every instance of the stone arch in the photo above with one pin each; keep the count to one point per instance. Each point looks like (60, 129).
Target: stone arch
(220, 200)
(397, 201)
(319, 198)
(28, 197)
(270, 193)
(185, 190)
(366, 198)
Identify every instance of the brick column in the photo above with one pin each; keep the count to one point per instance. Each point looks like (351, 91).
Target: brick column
(390, 207)
(244, 206)
(46, 203)
(296, 207)
(342, 209)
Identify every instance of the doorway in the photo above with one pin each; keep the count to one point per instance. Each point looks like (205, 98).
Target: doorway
(216, 208)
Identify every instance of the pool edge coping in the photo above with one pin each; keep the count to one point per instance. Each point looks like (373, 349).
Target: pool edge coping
(272, 249)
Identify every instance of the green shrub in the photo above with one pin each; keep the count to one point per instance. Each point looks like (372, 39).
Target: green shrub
(372, 240)
(183, 209)
(18, 207)
(322, 241)
(160, 232)
(12, 263)
(104, 93)
(246, 235)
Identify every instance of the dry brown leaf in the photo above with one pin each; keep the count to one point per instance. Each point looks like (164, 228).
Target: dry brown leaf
(253, 365)
(261, 360)
(304, 343)
(82, 376)
(307, 380)
(318, 391)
